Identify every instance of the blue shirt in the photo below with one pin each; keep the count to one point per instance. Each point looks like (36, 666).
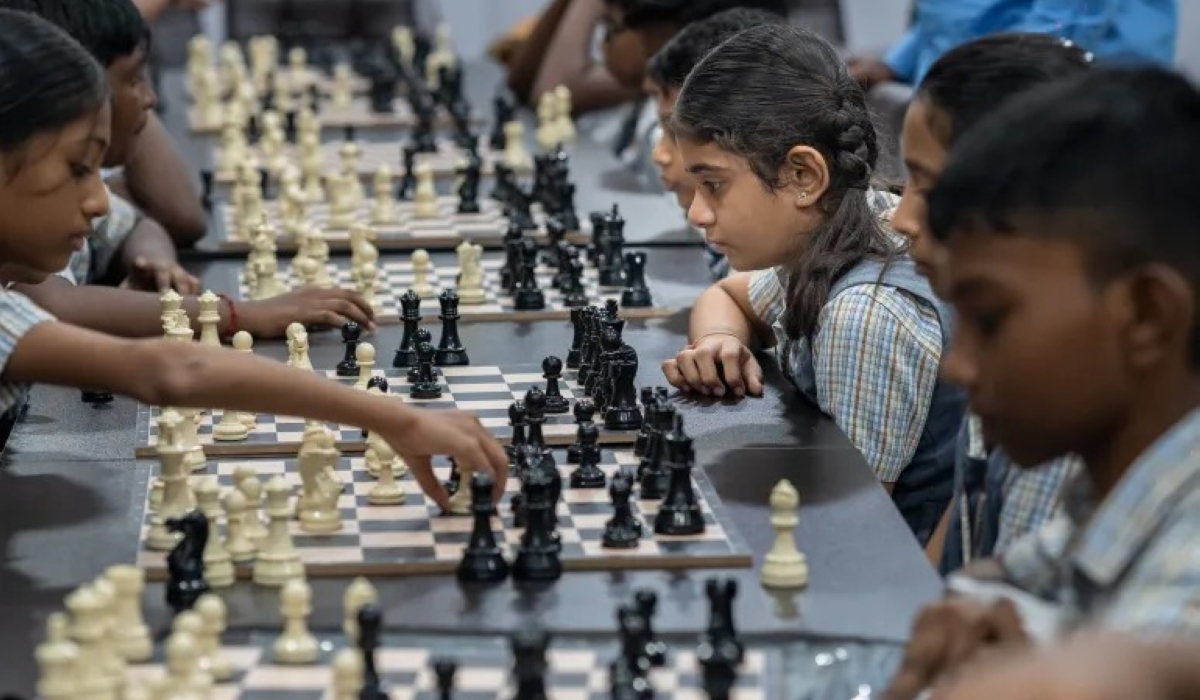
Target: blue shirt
(1113, 30)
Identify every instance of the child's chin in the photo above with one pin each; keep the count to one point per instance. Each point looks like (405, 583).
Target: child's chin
(16, 273)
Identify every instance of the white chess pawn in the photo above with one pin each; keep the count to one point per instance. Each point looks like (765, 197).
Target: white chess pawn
(420, 268)
(133, 639)
(213, 614)
(341, 205)
(547, 114)
(57, 658)
(566, 120)
(785, 566)
(368, 278)
(244, 342)
(277, 562)
(470, 281)
(184, 679)
(218, 564)
(386, 491)
(196, 678)
(425, 202)
(343, 90)
(296, 645)
(515, 155)
(365, 355)
(384, 209)
(247, 482)
(240, 547)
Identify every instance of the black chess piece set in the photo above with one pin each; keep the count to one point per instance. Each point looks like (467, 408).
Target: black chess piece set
(522, 258)
(552, 190)
(605, 366)
(720, 652)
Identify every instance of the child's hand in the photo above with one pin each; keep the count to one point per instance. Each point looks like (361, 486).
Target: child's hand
(715, 364)
(1104, 667)
(161, 275)
(270, 318)
(948, 634)
(456, 434)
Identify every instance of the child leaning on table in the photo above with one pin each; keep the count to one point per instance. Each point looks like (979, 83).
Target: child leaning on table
(1071, 257)
(778, 144)
(54, 128)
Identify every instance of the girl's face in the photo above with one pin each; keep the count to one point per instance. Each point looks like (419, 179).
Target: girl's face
(754, 227)
(925, 157)
(666, 152)
(50, 191)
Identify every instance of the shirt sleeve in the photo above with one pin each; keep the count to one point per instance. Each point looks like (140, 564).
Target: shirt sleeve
(17, 315)
(902, 58)
(108, 233)
(876, 357)
(767, 294)
(1032, 562)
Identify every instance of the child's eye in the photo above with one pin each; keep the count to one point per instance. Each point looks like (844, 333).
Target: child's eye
(988, 322)
(712, 186)
(80, 171)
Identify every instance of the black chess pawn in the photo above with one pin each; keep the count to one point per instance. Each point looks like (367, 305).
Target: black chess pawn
(426, 386)
(556, 403)
(351, 334)
(444, 671)
(186, 561)
(576, 338)
(636, 294)
(646, 603)
(483, 560)
(718, 669)
(721, 630)
(408, 179)
(575, 295)
(450, 351)
(648, 403)
(584, 411)
(528, 647)
(516, 422)
(623, 530)
(370, 625)
(588, 474)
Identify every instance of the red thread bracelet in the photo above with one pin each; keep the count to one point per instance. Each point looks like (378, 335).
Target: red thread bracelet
(233, 322)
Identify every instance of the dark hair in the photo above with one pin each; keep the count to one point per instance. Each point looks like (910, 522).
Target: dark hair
(1109, 160)
(639, 13)
(760, 94)
(973, 79)
(47, 80)
(108, 29)
(670, 66)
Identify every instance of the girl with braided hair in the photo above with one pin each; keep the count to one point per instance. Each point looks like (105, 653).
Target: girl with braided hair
(777, 141)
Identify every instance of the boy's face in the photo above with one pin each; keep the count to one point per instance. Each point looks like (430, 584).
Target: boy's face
(666, 153)
(132, 99)
(1040, 349)
(50, 190)
(924, 157)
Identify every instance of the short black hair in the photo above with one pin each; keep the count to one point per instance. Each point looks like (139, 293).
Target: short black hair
(973, 79)
(639, 13)
(1109, 160)
(108, 29)
(47, 80)
(670, 66)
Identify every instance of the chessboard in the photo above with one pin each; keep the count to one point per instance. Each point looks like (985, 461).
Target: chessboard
(415, 537)
(445, 162)
(474, 669)
(396, 277)
(446, 230)
(486, 391)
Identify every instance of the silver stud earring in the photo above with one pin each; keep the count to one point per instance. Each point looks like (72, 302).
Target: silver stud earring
(801, 197)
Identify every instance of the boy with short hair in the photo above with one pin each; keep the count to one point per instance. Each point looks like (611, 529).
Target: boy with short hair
(665, 72)
(128, 248)
(1075, 274)
(155, 177)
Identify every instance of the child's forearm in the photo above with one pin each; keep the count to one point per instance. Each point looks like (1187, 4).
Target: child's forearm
(157, 177)
(186, 374)
(125, 313)
(716, 311)
(533, 49)
(148, 240)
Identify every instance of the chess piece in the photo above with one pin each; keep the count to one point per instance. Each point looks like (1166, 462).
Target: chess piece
(231, 427)
(565, 125)
(364, 355)
(370, 622)
(426, 385)
(351, 334)
(386, 490)
(528, 296)
(443, 671)
(209, 318)
(588, 474)
(623, 530)
(360, 592)
(296, 645)
(246, 482)
(468, 189)
(420, 268)
(244, 342)
(408, 180)
(277, 561)
(528, 647)
(218, 564)
(452, 483)
(240, 547)
(57, 658)
(576, 338)
(537, 554)
(410, 316)
(213, 616)
(450, 351)
(483, 560)
(636, 294)
(347, 672)
(720, 631)
(133, 639)
(297, 342)
(515, 155)
(317, 507)
(470, 278)
(425, 204)
(645, 601)
(679, 513)
(186, 561)
(556, 403)
(384, 209)
(460, 498)
(584, 411)
(784, 566)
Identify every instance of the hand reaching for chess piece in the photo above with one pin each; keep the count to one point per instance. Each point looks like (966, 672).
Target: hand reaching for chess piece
(309, 306)
(715, 364)
(420, 435)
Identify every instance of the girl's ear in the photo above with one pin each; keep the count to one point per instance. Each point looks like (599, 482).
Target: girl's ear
(805, 175)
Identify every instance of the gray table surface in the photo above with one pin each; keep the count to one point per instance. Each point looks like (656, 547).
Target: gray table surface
(71, 499)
